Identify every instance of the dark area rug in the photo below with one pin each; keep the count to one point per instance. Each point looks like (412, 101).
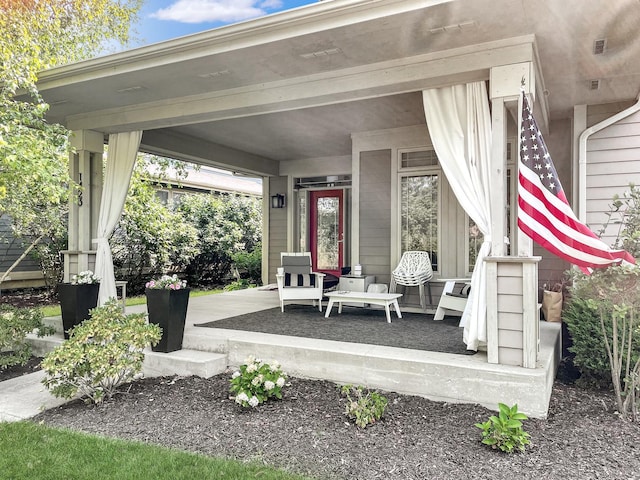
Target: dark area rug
(356, 325)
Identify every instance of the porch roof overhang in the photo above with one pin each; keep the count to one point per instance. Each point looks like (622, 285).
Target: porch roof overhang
(295, 85)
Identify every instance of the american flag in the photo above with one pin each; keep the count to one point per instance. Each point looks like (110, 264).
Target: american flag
(544, 213)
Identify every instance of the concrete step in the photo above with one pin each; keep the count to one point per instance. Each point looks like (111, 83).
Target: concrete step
(183, 363)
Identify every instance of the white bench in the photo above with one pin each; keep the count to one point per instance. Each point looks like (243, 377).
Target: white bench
(384, 299)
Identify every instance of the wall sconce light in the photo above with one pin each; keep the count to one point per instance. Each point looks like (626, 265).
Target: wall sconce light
(277, 200)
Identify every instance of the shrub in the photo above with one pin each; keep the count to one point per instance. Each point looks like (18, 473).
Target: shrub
(363, 407)
(612, 296)
(226, 225)
(257, 381)
(590, 358)
(15, 324)
(250, 264)
(101, 354)
(505, 431)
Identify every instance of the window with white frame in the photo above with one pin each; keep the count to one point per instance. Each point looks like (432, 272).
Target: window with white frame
(419, 192)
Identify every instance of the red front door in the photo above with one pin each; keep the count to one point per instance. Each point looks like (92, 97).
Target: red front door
(327, 230)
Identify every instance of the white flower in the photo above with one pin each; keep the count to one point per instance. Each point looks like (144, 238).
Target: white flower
(251, 368)
(274, 366)
(253, 401)
(257, 380)
(269, 385)
(236, 374)
(249, 359)
(242, 398)
(280, 382)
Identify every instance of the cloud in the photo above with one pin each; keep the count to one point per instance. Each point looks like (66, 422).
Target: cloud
(201, 11)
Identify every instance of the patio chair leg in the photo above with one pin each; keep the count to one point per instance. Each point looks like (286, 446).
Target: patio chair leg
(423, 300)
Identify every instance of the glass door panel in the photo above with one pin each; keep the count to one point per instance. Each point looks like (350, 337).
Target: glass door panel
(327, 230)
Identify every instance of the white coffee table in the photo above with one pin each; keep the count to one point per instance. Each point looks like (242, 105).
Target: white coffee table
(384, 299)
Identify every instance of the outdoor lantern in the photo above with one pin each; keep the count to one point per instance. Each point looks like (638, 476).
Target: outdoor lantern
(277, 200)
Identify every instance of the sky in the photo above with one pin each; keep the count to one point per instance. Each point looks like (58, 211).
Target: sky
(165, 19)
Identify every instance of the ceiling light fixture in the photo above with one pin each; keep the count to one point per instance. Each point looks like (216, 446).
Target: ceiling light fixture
(454, 27)
(599, 46)
(130, 89)
(321, 53)
(215, 74)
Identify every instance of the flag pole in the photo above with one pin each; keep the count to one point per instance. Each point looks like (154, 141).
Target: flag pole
(525, 243)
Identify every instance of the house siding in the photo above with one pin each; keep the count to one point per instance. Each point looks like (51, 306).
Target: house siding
(375, 214)
(613, 161)
(277, 230)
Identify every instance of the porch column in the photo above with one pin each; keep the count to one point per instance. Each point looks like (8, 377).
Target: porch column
(505, 85)
(85, 168)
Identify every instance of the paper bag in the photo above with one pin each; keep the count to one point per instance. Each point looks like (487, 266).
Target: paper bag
(552, 306)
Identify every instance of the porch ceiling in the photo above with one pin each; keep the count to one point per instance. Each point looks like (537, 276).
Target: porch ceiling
(296, 84)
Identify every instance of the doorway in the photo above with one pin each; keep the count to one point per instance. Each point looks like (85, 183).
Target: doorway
(326, 224)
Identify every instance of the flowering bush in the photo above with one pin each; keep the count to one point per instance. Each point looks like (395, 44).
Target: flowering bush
(257, 381)
(84, 278)
(102, 353)
(169, 282)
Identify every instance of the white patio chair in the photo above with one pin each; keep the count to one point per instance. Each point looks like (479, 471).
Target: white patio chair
(296, 281)
(414, 270)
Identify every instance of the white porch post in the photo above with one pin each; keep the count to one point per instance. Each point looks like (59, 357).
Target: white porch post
(512, 282)
(85, 168)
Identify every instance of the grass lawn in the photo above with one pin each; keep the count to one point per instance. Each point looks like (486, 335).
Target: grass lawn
(31, 451)
(54, 310)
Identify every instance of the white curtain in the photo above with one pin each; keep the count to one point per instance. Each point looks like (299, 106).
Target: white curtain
(121, 156)
(459, 123)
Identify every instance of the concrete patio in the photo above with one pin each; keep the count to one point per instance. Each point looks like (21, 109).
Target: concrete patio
(438, 376)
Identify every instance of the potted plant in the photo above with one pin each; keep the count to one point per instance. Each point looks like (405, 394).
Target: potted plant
(77, 299)
(167, 302)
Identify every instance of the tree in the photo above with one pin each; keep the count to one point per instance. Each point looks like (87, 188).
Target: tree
(151, 238)
(226, 225)
(36, 35)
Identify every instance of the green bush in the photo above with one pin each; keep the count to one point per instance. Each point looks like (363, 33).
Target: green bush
(101, 354)
(15, 324)
(610, 299)
(249, 264)
(226, 225)
(583, 324)
(505, 431)
(363, 407)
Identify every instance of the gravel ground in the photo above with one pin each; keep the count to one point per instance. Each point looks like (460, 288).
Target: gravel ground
(307, 432)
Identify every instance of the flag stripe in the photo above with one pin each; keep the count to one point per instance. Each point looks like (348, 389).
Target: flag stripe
(569, 250)
(567, 229)
(544, 214)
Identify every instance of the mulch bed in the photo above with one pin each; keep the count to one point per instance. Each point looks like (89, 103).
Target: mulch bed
(32, 365)
(307, 432)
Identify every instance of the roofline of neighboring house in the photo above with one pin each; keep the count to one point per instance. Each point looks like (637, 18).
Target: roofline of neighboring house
(582, 153)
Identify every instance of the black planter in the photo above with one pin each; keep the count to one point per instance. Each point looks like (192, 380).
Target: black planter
(168, 309)
(75, 303)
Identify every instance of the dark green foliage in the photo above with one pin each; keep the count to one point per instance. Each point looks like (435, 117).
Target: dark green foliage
(249, 264)
(591, 357)
(225, 225)
(150, 238)
(15, 324)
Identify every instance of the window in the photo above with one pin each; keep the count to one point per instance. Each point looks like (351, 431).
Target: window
(419, 211)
